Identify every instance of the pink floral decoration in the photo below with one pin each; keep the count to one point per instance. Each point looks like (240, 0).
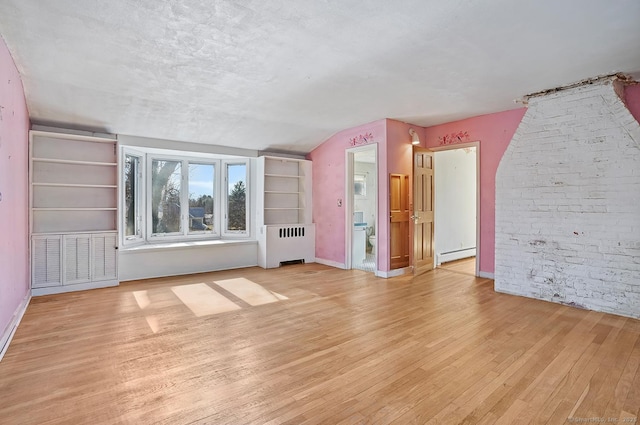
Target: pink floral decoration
(449, 139)
(362, 139)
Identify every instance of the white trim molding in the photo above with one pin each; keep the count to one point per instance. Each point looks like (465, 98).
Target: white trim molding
(485, 275)
(8, 333)
(394, 272)
(61, 289)
(331, 263)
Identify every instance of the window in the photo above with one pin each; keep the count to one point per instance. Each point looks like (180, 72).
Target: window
(166, 213)
(132, 205)
(236, 198)
(167, 197)
(202, 194)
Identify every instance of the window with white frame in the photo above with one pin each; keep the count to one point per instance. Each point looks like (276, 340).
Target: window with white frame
(132, 204)
(166, 193)
(169, 197)
(236, 217)
(202, 198)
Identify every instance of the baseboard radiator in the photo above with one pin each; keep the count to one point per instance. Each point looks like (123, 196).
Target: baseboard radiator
(286, 244)
(459, 254)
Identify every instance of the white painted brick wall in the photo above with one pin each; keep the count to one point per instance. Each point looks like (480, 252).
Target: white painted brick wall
(568, 202)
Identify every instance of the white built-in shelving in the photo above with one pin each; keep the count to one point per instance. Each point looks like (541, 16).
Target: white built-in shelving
(285, 195)
(285, 229)
(73, 221)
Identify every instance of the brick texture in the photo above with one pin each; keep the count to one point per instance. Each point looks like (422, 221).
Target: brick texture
(568, 202)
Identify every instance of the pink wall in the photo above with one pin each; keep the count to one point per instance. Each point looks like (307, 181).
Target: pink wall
(329, 185)
(494, 132)
(632, 99)
(14, 231)
(329, 173)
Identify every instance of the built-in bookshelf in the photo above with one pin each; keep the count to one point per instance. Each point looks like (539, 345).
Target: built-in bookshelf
(73, 222)
(285, 191)
(285, 229)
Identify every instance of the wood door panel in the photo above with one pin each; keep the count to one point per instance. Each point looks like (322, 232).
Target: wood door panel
(399, 246)
(418, 189)
(399, 220)
(423, 225)
(423, 238)
(427, 196)
(395, 187)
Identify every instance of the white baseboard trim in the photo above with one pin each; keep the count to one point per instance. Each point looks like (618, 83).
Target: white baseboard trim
(331, 263)
(485, 275)
(7, 336)
(71, 288)
(393, 273)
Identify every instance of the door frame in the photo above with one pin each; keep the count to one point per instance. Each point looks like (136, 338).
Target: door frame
(349, 204)
(475, 144)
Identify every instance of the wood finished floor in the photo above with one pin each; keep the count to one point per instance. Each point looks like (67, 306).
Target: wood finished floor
(466, 265)
(345, 347)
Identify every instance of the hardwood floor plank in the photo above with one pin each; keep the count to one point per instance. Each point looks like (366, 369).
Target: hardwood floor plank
(465, 265)
(547, 409)
(608, 372)
(504, 390)
(632, 403)
(345, 347)
(628, 370)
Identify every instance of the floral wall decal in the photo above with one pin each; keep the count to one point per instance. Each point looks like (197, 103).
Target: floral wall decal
(449, 139)
(361, 139)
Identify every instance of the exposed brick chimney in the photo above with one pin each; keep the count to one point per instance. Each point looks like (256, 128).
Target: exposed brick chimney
(568, 201)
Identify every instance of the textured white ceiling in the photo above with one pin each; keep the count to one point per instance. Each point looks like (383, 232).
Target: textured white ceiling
(285, 75)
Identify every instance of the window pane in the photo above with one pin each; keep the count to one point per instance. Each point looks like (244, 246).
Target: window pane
(237, 197)
(131, 195)
(201, 197)
(165, 196)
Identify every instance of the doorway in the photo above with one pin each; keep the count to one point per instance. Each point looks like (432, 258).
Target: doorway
(457, 197)
(362, 208)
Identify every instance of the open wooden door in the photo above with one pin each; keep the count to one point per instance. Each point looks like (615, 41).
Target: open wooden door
(399, 217)
(422, 210)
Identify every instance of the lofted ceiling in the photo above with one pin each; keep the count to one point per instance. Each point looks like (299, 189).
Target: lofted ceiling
(285, 75)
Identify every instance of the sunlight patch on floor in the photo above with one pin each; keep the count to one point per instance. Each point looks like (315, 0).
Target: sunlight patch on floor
(203, 300)
(250, 292)
(154, 323)
(142, 298)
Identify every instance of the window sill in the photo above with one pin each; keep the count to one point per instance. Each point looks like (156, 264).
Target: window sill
(184, 245)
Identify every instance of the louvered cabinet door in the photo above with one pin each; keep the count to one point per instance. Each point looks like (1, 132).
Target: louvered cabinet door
(104, 256)
(77, 264)
(46, 262)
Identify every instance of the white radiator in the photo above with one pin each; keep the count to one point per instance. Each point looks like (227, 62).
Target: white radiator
(282, 243)
(455, 255)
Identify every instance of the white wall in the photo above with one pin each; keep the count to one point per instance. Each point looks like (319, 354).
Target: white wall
(568, 202)
(185, 258)
(455, 204)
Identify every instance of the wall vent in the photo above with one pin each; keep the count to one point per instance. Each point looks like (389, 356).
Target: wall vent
(291, 232)
(286, 243)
